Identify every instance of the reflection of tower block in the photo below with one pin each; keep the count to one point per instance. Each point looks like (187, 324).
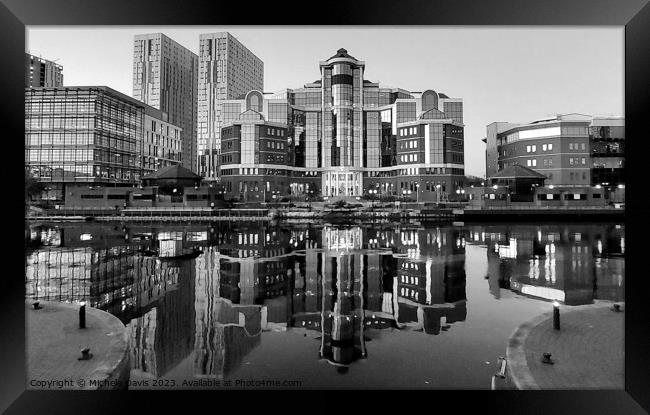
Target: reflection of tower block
(342, 340)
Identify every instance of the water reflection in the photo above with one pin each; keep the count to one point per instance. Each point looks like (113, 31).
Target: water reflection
(341, 287)
(554, 263)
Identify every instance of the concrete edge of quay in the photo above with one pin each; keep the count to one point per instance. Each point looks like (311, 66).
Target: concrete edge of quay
(518, 371)
(111, 369)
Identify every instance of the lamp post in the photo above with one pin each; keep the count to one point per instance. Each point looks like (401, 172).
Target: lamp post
(556, 315)
(438, 193)
(417, 192)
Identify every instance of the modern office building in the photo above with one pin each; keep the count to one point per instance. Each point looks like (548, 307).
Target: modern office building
(342, 136)
(93, 134)
(165, 77)
(571, 150)
(40, 72)
(227, 70)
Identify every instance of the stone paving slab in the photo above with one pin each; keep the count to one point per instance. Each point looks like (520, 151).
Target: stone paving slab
(54, 342)
(588, 350)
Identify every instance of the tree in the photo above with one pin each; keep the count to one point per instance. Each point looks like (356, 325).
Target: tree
(473, 180)
(33, 187)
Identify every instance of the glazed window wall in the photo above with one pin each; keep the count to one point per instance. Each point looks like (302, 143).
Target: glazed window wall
(454, 110)
(385, 97)
(437, 143)
(607, 132)
(82, 135)
(278, 112)
(308, 99)
(371, 97)
(405, 112)
(313, 134)
(230, 112)
(372, 134)
(388, 140)
(249, 144)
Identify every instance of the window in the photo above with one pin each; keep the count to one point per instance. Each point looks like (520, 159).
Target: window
(534, 163)
(583, 147)
(534, 148)
(544, 147)
(550, 147)
(583, 161)
(527, 149)
(570, 146)
(571, 162)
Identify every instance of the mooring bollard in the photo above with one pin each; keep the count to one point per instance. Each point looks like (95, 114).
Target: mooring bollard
(617, 308)
(546, 358)
(37, 305)
(82, 315)
(85, 354)
(556, 315)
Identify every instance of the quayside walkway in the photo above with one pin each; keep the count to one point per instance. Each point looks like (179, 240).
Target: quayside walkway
(587, 352)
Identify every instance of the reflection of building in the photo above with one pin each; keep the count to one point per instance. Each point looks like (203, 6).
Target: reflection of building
(164, 336)
(554, 264)
(341, 136)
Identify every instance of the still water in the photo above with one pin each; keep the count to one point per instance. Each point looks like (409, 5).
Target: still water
(399, 306)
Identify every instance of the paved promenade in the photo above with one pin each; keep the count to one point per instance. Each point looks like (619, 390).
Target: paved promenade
(54, 342)
(588, 350)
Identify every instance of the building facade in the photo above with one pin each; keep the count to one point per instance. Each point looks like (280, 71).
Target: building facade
(162, 141)
(571, 150)
(40, 73)
(87, 135)
(342, 136)
(165, 76)
(227, 70)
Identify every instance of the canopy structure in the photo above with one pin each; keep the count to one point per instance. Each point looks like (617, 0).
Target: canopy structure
(175, 176)
(518, 179)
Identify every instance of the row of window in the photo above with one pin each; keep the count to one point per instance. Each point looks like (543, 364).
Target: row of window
(574, 146)
(275, 131)
(275, 145)
(408, 131)
(408, 144)
(408, 157)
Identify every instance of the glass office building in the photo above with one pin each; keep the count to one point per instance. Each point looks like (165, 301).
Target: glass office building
(571, 150)
(165, 77)
(92, 135)
(342, 136)
(227, 70)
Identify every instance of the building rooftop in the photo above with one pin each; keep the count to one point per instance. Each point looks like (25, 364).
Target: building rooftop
(517, 171)
(342, 53)
(172, 172)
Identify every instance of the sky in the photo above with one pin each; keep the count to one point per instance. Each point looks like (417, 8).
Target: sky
(502, 73)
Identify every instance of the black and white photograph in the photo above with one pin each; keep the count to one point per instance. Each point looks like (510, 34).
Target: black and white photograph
(259, 207)
(235, 216)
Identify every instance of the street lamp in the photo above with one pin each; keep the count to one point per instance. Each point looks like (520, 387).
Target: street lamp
(438, 193)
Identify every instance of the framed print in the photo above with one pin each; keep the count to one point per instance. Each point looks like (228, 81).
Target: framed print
(389, 197)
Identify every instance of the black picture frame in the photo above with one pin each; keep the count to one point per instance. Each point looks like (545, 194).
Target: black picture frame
(633, 14)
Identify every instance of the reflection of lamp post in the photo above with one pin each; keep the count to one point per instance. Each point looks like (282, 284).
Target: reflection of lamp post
(438, 193)
(417, 192)
(372, 192)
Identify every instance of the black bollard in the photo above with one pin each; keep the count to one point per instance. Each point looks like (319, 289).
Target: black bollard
(37, 305)
(82, 316)
(546, 358)
(556, 315)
